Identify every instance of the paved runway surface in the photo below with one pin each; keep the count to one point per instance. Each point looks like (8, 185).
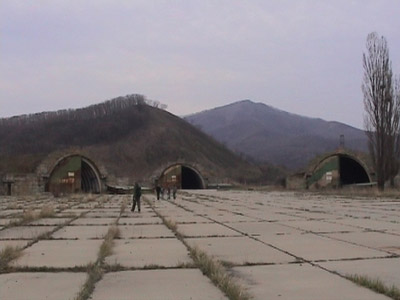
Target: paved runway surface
(277, 245)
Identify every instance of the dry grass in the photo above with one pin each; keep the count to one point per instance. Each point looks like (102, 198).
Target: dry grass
(12, 206)
(210, 267)
(218, 275)
(123, 207)
(376, 285)
(108, 243)
(95, 273)
(170, 224)
(47, 211)
(8, 254)
(28, 216)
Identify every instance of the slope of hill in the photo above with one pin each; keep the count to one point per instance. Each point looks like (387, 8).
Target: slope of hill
(268, 134)
(131, 139)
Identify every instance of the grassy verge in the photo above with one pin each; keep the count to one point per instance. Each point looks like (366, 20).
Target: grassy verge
(30, 215)
(95, 271)
(376, 285)
(47, 211)
(218, 275)
(108, 243)
(210, 267)
(8, 254)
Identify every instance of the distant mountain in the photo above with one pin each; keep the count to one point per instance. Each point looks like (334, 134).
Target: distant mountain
(267, 134)
(127, 136)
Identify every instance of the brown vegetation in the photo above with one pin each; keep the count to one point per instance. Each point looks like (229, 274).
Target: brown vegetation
(124, 135)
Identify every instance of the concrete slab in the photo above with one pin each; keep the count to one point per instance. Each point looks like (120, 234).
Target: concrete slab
(177, 284)
(10, 212)
(258, 228)
(299, 281)
(145, 231)
(50, 221)
(371, 224)
(319, 226)
(59, 254)
(377, 240)
(24, 232)
(190, 219)
(240, 250)
(206, 230)
(102, 214)
(312, 247)
(13, 243)
(39, 286)
(139, 253)
(94, 221)
(6, 221)
(138, 221)
(74, 211)
(229, 217)
(386, 269)
(81, 232)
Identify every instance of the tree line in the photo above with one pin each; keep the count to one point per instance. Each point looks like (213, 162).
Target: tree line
(106, 108)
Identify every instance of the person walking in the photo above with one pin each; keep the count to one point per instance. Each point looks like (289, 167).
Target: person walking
(137, 193)
(174, 191)
(158, 191)
(162, 192)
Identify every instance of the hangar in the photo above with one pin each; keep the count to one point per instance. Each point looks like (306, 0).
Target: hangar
(183, 176)
(338, 169)
(74, 174)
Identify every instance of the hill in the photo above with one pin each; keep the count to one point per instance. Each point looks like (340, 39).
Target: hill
(270, 135)
(126, 135)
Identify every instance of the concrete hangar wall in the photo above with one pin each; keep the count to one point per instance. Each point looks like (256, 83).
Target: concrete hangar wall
(75, 172)
(334, 170)
(59, 173)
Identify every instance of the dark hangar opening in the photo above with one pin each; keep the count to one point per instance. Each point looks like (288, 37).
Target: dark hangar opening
(351, 172)
(89, 180)
(182, 177)
(190, 179)
(73, 174)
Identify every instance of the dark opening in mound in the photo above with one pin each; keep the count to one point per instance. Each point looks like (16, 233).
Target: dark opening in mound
(351, 171)
(190, 179)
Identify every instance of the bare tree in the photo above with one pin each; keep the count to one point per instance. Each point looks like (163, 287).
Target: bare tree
(393, 163)
(379, 106)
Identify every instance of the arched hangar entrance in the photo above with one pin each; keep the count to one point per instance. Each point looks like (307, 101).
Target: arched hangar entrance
(183, 176)
(338, 170)
(74, 174)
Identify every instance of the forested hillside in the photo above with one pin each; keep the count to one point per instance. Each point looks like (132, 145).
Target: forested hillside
(128, 135)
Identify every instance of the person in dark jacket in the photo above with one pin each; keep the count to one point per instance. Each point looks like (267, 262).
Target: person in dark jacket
(158, 191)
(174, 191)
(137, 193)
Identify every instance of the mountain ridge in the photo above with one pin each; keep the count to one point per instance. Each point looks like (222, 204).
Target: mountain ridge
(268, 134)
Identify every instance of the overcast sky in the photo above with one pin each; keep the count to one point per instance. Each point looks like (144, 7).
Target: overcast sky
(302, 56)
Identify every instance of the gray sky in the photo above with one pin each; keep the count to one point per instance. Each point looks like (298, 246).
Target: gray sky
(302, 56)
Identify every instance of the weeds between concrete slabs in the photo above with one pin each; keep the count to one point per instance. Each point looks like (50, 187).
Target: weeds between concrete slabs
(210, 267)
(8, 254)
(376, 285)
(96, 271)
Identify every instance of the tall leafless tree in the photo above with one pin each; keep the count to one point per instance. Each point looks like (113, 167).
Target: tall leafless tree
(382, 112)
(393, 161)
